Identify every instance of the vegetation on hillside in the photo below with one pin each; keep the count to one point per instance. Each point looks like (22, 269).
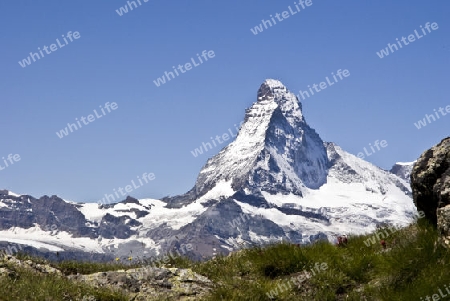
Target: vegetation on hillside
(412, 266)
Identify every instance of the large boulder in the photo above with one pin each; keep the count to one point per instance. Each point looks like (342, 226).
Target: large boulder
(430, 182)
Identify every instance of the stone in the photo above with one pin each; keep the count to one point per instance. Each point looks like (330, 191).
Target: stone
(443, 224)
(149, 283)
(430, 181)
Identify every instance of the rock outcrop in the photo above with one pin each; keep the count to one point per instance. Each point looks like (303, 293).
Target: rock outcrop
(6, 261)
(430, 183)
(152, 283)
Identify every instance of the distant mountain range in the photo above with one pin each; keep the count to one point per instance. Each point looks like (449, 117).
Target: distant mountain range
(276, 181)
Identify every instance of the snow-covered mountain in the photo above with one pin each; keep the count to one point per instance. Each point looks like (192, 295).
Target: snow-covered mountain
(403, 170)
(277, 181)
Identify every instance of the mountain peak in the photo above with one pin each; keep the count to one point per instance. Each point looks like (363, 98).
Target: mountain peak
(270, 87)
(272, 84)
(275, 150)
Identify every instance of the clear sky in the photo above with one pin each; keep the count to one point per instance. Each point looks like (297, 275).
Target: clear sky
(154, 129)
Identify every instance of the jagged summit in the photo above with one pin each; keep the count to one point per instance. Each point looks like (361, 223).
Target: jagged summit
(269, 88)
(274, 151)
(274, 90)
(273, 83)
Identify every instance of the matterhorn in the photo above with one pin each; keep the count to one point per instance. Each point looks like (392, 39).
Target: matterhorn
(277, 181)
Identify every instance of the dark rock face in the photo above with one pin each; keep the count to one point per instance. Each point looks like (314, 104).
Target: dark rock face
(430, 180)
(113, 226)
(54, 213)
(25, 211)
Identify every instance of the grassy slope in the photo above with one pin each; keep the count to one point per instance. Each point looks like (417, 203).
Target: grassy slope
(28, 286)
(414, 267)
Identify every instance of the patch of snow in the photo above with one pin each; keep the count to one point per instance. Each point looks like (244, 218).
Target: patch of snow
(222, 189)
(13, 194)
(405, 163)
(36, 235)
(35, 244)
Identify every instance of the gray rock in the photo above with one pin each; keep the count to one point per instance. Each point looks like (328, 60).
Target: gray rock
(39, 268)
(443, 225)
(151, 283)
(430, 180)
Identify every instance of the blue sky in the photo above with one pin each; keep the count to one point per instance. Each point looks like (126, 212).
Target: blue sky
(154, 129)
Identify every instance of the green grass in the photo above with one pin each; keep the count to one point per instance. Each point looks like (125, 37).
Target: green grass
(414, 266)
(72, 267)
(26, 285)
